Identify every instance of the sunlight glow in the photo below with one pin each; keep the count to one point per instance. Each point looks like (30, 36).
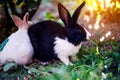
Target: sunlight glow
(107, 3)
(111, 5)
(90, 26)
(102, 25)
(108, 34)
(99, 25)
(102, 39)
(96, 26)
(87, 18)
(113, 37)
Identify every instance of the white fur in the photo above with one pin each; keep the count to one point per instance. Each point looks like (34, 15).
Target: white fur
(88, 34)
(30, 23)
(18, 48)
(63, 48)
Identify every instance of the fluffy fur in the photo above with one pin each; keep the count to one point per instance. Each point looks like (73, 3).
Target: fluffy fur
(19, 48)
(50, 40)
(64, 48)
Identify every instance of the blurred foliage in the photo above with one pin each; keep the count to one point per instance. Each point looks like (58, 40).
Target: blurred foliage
(16, 7)
(20, 7)
(49, 16)
(104, 54)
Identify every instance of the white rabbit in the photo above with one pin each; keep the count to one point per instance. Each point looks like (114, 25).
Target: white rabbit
(18, 48)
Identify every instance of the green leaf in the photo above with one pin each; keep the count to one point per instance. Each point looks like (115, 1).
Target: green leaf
(8, 66)
(31, 3)
(19, 2)
(32, 70)
(2, 45)
(108, 62)
(97, 50)
(48, 15)
(118, 67)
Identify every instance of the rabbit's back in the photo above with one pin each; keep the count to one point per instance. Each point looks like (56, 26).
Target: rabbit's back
(18, 48)
(43, 35)
(49, 28)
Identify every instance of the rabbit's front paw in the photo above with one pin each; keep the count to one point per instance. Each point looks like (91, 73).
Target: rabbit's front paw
(44, 63)
(65, 60)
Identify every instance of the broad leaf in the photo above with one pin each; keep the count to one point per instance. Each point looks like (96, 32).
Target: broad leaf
(19, 2)
(8, 66)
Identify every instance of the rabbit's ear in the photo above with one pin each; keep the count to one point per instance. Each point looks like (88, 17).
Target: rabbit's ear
(64, 14)
(17, 20)
(25, 19)
(77, 12)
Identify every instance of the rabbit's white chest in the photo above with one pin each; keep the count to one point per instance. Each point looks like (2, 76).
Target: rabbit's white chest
(65, 48)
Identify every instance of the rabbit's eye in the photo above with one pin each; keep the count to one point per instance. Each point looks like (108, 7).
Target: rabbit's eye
(79, 30)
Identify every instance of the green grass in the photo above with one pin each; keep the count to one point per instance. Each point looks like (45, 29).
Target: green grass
(98, 61)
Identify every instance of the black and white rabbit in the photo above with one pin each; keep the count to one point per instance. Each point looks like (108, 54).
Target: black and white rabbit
(18, 48)
(51, 40)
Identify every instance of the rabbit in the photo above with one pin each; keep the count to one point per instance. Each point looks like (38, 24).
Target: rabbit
(51, 41)
(18, 48)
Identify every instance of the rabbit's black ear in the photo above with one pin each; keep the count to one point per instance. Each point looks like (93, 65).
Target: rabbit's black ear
(77, 12)
(64, 14)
